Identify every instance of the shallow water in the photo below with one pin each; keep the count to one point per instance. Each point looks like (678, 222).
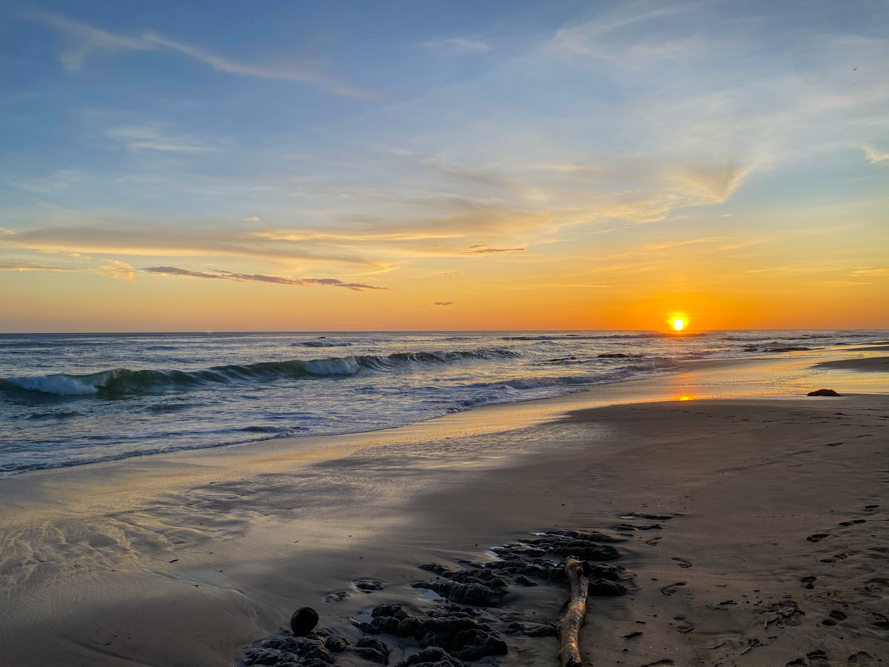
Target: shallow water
(75, 399)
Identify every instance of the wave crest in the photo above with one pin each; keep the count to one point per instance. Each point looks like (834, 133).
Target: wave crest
(122, 381)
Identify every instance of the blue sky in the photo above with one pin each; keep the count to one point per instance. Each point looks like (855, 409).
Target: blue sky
(404, 144)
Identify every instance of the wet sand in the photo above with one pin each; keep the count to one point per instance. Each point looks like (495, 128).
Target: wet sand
(185, 559)
(873, 364)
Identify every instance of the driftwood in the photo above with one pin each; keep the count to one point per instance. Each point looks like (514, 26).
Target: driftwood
(578, 575)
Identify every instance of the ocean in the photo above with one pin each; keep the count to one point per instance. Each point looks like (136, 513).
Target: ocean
(73, 399)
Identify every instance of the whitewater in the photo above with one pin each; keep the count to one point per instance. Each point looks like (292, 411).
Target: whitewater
(70, 399)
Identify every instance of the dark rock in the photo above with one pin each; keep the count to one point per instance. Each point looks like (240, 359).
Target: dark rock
(430, 657)
(823, 392)
(625, 527)
(336, 643)
(263, 657)
(524, 581)
(456, 632)
(475, 595)
(373, 650)
(303, 621)
(368, 585)
(650, 517)
(606, 588)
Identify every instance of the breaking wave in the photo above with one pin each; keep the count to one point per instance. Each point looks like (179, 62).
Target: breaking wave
(122, 381)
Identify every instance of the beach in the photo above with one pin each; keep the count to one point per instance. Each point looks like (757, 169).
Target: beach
(774, 506)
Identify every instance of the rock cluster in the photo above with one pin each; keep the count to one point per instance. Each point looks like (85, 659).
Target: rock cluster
(452, 629)
(458, 630)
(314, 650)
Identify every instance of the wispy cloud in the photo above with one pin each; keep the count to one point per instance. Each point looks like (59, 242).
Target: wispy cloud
(874, 155)
(171, 242)
(117, 270)
(443, 303)
(483, 249)
(90, 39)
(246, 277)
(252, 219)
(149, 138)
(456, 46)
(28, 266)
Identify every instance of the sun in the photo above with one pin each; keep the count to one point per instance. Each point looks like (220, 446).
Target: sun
(678, 324)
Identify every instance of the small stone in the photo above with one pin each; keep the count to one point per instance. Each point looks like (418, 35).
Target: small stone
(303, 621)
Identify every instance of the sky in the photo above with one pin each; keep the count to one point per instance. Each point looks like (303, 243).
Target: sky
(443, 165)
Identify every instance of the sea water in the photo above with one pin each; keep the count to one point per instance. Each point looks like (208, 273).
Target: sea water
(69, 399)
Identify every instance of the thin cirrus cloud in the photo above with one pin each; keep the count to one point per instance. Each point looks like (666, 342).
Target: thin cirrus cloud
(483, 249)
(456, 46)
(29, 266)
(148, 138)
(219, 274)
(92, 39)
(443, 303)
(153, 242)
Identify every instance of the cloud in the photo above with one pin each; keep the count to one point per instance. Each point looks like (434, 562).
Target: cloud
(875, 156)
(94, 39)
(218, 274)
(876, 271)
(170, 242)
(28, 266)
(118, 271)
(456, 46)
(483, 249)
(147, 138)
(672, 244)
(443, 303)
(253, 219)
(452, 274)
(709, 185)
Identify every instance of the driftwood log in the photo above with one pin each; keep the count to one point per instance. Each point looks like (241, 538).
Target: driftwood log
(578, 575)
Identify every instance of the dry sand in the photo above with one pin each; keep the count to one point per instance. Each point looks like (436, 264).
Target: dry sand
(185, 559)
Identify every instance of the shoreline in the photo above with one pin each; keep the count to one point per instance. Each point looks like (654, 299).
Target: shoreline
(290, 519)
(623, 391)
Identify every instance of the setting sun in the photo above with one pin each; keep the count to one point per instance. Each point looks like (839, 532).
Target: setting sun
(678, 324)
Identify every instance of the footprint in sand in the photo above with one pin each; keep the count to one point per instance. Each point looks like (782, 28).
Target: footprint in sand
(672, 588)
(665, 661)
(653, 541)
(870, 508)
(683, 626)
(836, 616)
(817, 537)
(336, 596)
(853, 522)
(808, 581)
(861, 658)
(684, 564)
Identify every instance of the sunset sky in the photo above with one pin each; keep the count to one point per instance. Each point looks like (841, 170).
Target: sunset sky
(414, 164)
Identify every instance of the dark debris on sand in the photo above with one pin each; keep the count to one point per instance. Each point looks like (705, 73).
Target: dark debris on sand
(466, 626)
